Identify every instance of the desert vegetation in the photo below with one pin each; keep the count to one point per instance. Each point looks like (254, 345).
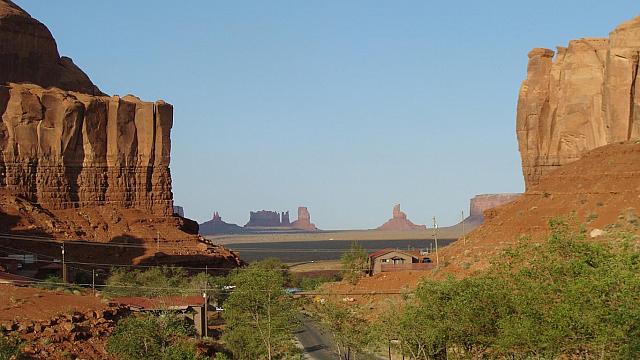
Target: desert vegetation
(10, 348)
(153, 337)
(162, 281)
(355, 263)
(568, 296)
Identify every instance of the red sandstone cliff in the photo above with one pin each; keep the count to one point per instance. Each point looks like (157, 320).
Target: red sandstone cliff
(480, 203)
(66, 150)
(28, 53)
(577, 99)
(76, 164)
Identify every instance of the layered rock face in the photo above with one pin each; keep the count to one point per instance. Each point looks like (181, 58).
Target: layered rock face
(263, 218)
(480, 203)
(581, 97)
(304, 220)
(399, 221)
(64, 149)
(28, 53)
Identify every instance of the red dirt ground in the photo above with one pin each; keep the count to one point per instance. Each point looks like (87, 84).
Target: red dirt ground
(25, 303)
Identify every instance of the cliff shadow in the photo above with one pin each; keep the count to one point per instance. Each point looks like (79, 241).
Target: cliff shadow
(124, 250)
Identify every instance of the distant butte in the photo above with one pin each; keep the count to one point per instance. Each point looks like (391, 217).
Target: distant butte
(217, 226)
(399, 221)
(304, 220)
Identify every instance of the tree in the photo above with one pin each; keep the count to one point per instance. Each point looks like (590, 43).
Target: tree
(355, 263)
(568, 296)
(260, 317)
(351, 333)
(151, 337)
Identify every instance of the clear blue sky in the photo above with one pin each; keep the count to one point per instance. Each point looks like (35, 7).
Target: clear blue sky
(347, 107)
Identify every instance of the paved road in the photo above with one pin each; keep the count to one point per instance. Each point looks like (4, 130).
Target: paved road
(317, 345)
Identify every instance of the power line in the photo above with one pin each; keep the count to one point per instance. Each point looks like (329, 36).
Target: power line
(169, 245)
(200, 290)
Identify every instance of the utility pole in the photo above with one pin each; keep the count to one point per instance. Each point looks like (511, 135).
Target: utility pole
(435, 238)
(64, 266)
(93, 281)
(464, 236)
(205, 332)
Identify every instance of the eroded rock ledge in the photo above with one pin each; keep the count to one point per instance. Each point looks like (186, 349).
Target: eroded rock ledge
(64, 149)
(579, 98)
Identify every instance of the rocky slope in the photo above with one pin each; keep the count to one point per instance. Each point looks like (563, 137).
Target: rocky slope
(600, 190)
(577, 99)
(28, 53)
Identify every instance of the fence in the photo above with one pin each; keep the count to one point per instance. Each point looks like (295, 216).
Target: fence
(406, 267)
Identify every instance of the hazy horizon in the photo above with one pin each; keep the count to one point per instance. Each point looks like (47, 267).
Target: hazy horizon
(346, 107)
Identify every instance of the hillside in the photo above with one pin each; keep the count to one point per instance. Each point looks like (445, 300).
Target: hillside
(600, 190)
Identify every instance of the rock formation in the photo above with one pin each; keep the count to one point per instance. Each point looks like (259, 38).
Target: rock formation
(399, 221)
(178, 210)
(65, 150)
(28, 53)
(285, 219)
(77, 164)
(581, 97)
(263, 218)
(304, 220)
(217, 226)
(483, 202)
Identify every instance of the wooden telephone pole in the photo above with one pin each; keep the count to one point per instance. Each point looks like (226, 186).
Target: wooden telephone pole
(464, 236)
(64, 266)
(435, 238)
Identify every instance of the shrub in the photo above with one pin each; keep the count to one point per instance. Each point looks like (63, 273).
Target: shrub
(160, 281)
(355, 263)
(10, 348)
(565, 297)
(53, 282)
(150, 337)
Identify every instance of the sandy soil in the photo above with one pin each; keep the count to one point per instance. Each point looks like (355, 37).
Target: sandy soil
(25, 303)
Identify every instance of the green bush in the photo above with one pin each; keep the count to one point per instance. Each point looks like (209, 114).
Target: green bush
(151, 337)
(260, 317)
(312, 282)
(53, 282)
(355, 263)
(160, 281)
(10, 348)
(565, 297)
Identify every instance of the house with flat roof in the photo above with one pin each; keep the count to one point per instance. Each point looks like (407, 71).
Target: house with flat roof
(386, 260)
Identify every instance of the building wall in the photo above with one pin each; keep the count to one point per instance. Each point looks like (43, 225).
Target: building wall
(378, 261)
